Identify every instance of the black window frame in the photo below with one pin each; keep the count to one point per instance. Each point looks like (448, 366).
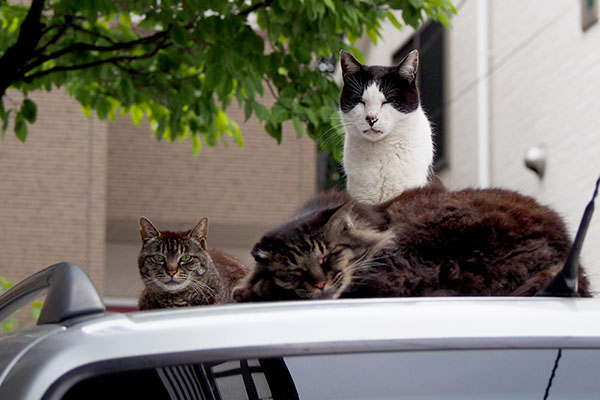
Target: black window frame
(430, 40)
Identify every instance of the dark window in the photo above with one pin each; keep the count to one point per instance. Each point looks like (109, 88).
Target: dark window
(432, 374)
(430, 41)
(254, 379)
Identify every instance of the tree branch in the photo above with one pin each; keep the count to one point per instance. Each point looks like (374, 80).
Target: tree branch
(97, 34)
(19, 53)
(268, 81)
(255, 7)
(62, 68)
(89, 47)
(61, 31)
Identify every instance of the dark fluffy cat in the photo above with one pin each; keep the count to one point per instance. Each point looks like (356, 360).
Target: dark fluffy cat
(425, 242)
(178, 270)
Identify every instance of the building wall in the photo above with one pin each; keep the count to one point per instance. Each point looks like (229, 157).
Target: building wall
(53, 190)
(543, 90)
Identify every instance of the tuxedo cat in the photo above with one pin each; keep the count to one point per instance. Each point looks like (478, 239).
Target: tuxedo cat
(425, 242)
(388, 144)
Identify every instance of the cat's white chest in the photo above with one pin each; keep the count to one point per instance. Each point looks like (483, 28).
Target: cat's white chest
(378, 171)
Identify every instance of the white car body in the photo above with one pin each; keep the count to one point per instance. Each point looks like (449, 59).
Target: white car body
(503, 347)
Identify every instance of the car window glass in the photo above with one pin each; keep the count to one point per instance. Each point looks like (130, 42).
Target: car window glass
(577, 375)
(423, 375)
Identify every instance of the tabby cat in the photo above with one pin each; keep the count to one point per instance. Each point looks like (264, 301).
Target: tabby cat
(388, 144)
(178, 270)
(425, 242)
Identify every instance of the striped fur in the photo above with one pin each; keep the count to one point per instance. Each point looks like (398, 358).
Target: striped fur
(178, 270)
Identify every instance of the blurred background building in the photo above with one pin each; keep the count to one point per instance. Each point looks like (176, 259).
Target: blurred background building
(510, 82)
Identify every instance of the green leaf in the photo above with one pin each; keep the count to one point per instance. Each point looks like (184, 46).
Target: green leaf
(196, 144)
(278, 114)
(179, 36)
(261, 111)
(330, 4)
(213, 76)
(29, 110)
(137, 114)
(5, 283)
(352, 37)
(393, 19)
(274, 130)
(237, 133)
(222, 121)
(312, 117)
(125, 18)
(297, 126)
(102, 108)
(247, 110)
(87, 111)
(372, 34)
(5, 122)
(20, 127)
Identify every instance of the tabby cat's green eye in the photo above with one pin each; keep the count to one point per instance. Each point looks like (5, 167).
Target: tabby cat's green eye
(158, 258)
(185, 258)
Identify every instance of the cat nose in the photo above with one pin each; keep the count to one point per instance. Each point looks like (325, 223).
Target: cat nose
(320, 285)
(171, 271)
(371, 119)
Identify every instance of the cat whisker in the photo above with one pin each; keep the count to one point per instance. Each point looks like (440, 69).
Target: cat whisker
(203, 290)
(354, 83)
(327, 138)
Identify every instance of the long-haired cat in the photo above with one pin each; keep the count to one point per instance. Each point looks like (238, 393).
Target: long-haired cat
(178, 270)
(425, 242)
(388, 144)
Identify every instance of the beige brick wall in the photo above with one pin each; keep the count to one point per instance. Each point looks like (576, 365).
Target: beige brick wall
(53, 190)
(260, 184)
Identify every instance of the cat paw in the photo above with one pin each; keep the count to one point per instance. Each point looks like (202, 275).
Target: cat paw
(243, 295)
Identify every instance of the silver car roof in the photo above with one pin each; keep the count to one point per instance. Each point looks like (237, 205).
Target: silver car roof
(216, 333)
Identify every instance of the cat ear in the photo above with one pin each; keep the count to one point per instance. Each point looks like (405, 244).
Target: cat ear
(341, 219)
(350, 65)
(147, 230)
(200, 231)
(409, 66)
(344, 209)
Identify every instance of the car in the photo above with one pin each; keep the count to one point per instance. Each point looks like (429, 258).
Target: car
(413, 348)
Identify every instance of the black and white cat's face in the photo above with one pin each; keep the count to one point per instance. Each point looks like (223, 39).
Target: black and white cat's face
(375, 100)
(172, 261)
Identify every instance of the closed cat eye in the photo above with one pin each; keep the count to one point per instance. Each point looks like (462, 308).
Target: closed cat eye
(158, 257)
(361, 101)
(385, 102)
(185, 258)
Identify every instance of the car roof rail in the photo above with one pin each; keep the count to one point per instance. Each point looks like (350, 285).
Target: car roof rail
(565, 282)
(69, 293)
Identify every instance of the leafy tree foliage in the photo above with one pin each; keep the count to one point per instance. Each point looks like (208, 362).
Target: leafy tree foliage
(182, 62)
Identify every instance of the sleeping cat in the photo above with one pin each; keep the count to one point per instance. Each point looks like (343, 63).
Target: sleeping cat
(388, 140)
(425, 242)
(178, 270)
